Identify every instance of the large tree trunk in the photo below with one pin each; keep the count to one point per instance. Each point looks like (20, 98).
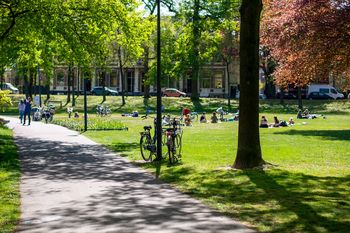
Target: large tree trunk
(103, 76)
(146, 86)
(249, 150)
(69, 83)
(48, 91)
(228, 86)
(30, 83)
(195, 58)
(121, 75)
(73, 87)
(26, 83)
(300, 101)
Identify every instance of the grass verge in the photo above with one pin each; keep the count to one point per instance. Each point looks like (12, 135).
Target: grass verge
(9, 182)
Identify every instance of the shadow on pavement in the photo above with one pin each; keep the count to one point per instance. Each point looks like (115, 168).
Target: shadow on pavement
(92, 189)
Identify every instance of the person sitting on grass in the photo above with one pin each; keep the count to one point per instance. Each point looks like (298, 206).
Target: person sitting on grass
(188, 120)
(166, 120)
(221, 112)
(203, 118)
(291, 121)
(264, 123)
(135, 114)
(214, 118)
(276, 122)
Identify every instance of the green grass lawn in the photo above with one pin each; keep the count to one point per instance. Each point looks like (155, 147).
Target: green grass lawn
(9, 182)
(306, 190)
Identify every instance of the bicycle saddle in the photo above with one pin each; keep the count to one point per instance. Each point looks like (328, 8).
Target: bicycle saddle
(147, 127)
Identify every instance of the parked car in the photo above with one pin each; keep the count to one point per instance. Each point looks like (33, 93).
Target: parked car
(10, 87)
(286, 95)
(172, 92)
(105, 90)
(325, 89)
(319, 96)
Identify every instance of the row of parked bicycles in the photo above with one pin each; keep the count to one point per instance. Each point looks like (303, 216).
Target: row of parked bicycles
(46, 113)
(103, 110)
(171, 141)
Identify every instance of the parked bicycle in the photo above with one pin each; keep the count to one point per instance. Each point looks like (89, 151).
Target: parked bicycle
(171, 142)
(102, 110)
(48, 113)
(174, 140)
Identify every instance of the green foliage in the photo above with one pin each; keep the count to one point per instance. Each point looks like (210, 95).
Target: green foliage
(5, 100)
(9, 182)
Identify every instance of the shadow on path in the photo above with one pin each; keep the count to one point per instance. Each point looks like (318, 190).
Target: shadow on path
(87, 188)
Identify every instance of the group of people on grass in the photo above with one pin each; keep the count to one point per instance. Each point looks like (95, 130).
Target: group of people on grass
(276, 123)
(280, 123)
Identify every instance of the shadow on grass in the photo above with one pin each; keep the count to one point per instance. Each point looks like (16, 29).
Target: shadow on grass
(275, 200)
(197, 104)
(325, 134)
(122, 148)
(317, 107)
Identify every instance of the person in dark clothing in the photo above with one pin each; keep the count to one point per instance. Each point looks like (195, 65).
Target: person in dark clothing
(27, 110)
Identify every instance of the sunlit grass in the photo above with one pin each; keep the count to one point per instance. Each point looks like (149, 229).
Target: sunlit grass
(306, 189)
(9, 182)
(94, 123)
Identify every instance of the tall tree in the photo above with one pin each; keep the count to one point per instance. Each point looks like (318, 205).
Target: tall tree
(249, 150)
(310, 39)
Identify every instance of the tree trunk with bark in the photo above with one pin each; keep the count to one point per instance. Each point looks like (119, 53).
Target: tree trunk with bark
(228, 87)
(146, 86)
(300, 101)
(69, 83)
(48, 91)
(103, 78)
(121, 75)
(195, 58)
(26, 83)
(30, 83)
(249, 150)
(73, 87)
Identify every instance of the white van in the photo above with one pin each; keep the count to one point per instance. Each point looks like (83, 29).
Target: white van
(10, 87)
(325, 89)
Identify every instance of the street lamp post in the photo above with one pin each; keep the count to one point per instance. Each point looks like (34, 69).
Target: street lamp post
(159, 94)
(39, 78)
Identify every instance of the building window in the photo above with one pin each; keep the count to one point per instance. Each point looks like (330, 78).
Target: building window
(218, 80)
(114, 78)
(205, 83)
(60, 79)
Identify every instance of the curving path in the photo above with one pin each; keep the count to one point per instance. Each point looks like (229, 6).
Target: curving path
(71, 184)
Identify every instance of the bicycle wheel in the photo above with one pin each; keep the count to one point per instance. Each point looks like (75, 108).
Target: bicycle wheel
(146, 147)
(178, 145)
(164, 145)
(171, 151)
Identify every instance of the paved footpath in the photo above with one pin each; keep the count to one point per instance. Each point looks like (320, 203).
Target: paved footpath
(71, 184)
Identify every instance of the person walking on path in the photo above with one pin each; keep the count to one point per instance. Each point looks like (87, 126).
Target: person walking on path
(21, 108)
(27, 110)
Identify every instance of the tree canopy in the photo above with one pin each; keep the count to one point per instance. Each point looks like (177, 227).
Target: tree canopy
(310, 39)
